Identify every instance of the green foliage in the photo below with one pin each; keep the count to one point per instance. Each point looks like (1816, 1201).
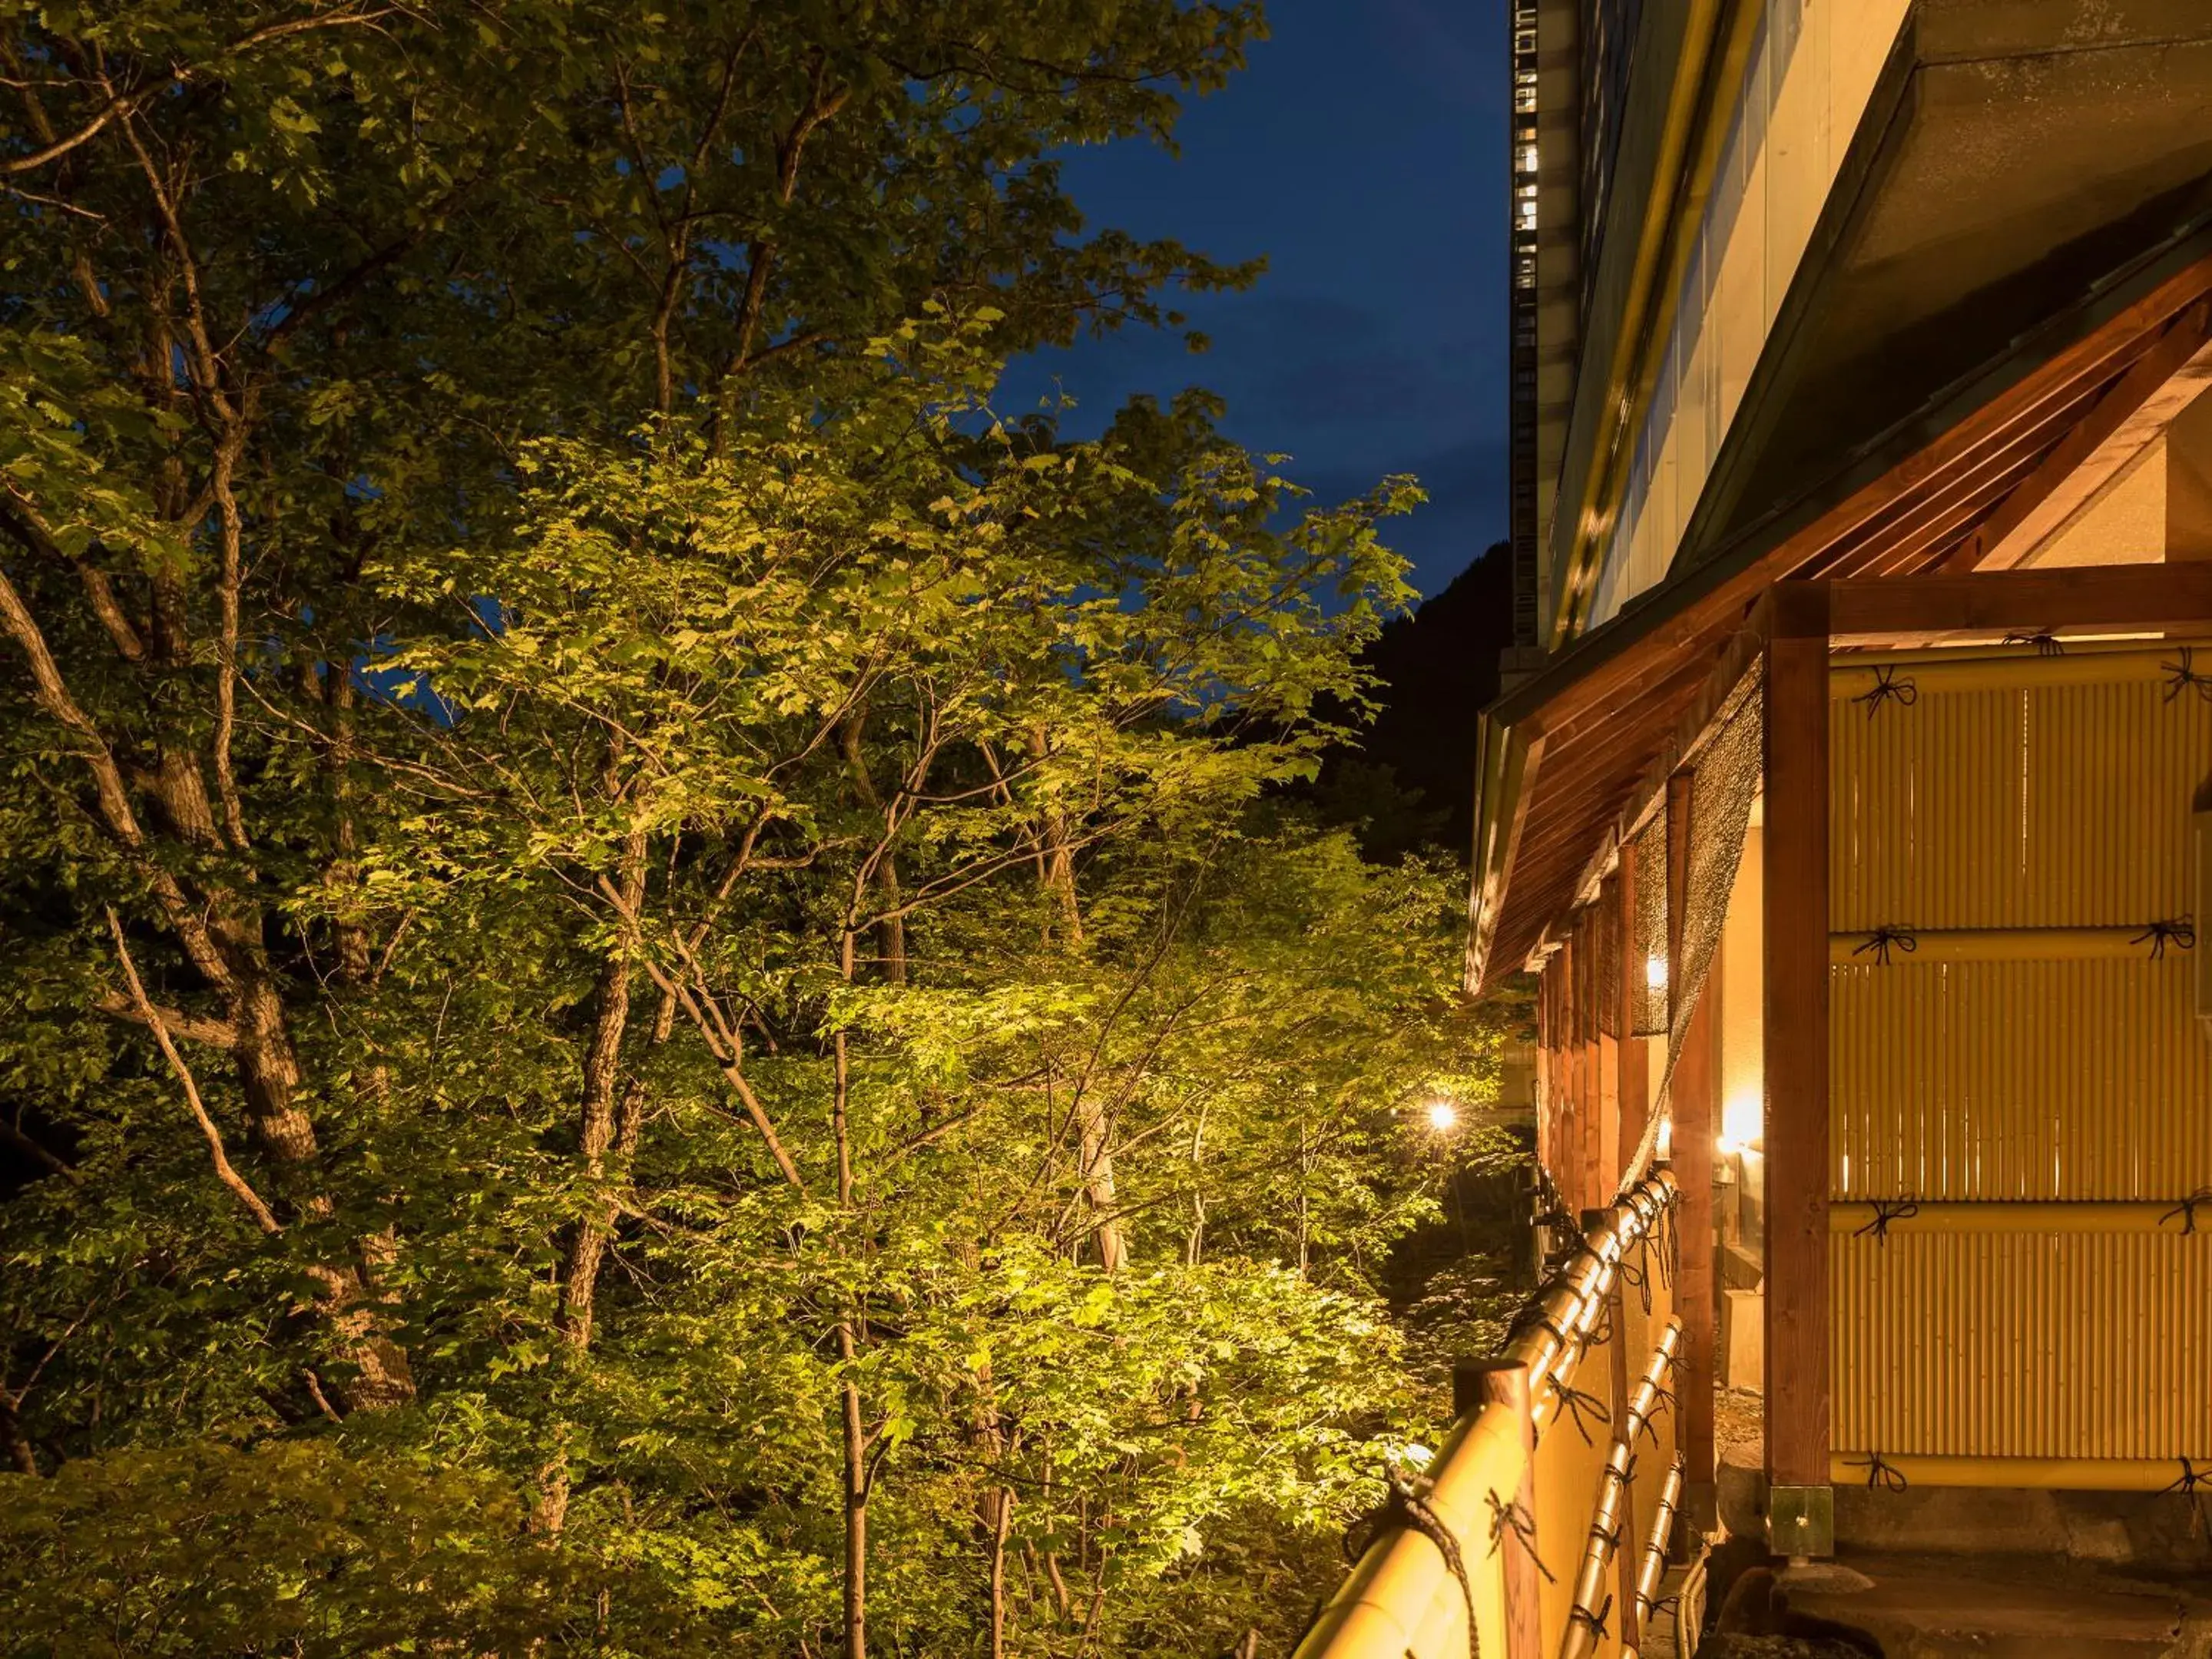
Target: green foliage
(744, 997)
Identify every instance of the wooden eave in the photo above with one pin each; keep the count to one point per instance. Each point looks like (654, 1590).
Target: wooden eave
(1571, 760)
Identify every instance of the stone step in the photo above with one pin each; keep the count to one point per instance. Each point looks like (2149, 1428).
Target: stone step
(1930, 1606)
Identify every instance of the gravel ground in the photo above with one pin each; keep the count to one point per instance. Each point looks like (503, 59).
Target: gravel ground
(1740, 1427)
(1774, 1647)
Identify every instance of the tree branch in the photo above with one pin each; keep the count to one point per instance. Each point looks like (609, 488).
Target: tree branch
(21, 521)
(193, 1028)
(229, 1176)
(122, 104)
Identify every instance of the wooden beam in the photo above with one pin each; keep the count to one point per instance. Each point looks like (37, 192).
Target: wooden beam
(1562, 1102)
(1608, 924)
(1634, 1079)
(2127, 418)
(1928, 518)
(1695, 1094)
(1617, 682)
(1594, 1189)
(1796, 1041)
(1510, 773)
(2111, 596)
(1627, 1547)
(1693, 1099)
(1685, 619)
(1551, 1072)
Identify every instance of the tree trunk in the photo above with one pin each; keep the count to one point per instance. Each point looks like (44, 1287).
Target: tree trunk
(598, 1129)
(891, 929)
(268, 1075)
(1057, 861)
(858, 1476)
(856, 1505)
(1094, 1129)
(595, 1117)
(1002, 1524)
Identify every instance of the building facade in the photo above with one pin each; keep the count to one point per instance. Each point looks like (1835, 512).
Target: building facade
(1851, 795)
(1903, 305)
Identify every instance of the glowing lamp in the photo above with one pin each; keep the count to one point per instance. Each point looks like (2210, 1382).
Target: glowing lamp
(1443, 1115)
(1743, 1122)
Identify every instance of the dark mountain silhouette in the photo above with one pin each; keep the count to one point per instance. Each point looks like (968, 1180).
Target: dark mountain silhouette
(1410, 781)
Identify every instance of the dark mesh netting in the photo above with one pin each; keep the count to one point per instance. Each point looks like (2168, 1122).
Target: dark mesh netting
(1603, 922)
(1648, 854)
(1722, 790)
(1724, 782)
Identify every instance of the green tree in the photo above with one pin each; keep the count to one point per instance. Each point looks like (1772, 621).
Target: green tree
(653, 959)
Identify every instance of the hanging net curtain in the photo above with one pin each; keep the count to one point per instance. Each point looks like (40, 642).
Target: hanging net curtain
(1724, 782)
(1648, 854)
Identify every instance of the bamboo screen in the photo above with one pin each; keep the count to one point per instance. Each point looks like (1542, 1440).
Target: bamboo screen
(2012, 1024)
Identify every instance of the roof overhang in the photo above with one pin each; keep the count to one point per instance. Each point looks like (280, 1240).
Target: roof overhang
(1572, 761)
(2011, 275)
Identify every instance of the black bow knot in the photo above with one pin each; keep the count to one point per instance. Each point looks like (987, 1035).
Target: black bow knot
(1888, 688)
(1880, 1472)
(1884, 939)
(2183, 677)
(2180, 932)
(1886, 1211)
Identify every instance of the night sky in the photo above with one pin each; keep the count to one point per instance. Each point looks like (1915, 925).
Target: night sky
(1363, 153)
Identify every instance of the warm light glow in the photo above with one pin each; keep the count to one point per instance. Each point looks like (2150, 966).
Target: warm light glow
(1743, 1123)
(1443, 1114)
(1655, 972)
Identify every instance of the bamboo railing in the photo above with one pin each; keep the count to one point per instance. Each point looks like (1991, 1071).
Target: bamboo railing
(1545, 1515)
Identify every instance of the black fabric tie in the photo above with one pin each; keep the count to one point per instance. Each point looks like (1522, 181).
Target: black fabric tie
(1576, 1402)
(2187, 1209)
(1880, 1472)
(1887, 1210)
(1505, 1518)
(2180, 932)
(1883, 940)
(1888, 688)
(2183, 676)
(1407, 1506)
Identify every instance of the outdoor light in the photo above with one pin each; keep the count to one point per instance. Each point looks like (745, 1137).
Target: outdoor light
(1443, 1114)
(1655, 973)
(1743, 1123)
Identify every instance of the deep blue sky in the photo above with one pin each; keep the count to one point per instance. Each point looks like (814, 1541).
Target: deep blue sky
(1364, 153)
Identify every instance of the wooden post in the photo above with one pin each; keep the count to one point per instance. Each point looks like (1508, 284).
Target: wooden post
(1548, 1070)
(1574, 1178)
(1695, 1093)
(1567, 1121)
(1605, 1010)
(1595, 1190)
(1797, 1055)
(1504, 1382)
(1627, 1550)
(1693, 1097)
(1635, 1077)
